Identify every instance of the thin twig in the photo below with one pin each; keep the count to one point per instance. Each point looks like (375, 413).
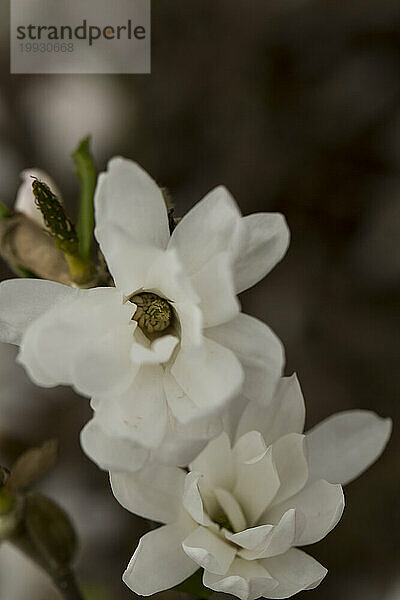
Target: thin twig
(67, 586)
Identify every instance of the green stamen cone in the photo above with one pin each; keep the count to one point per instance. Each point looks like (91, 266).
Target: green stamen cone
(153, 314)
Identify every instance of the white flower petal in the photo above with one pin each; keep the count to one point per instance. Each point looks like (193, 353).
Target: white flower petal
(181, 406)
(184, 442)
(250, 448)
(214, 286)
(126, 196)
(127, 261)
(256, 486)
(192, 500)
(203, 428)
(22, 301)
(232, 415)
(155, 353)
(29, 358)
(289, 453)
(208, 550)
(318, 507)
(246, 580)
(346, 444)
(131, 222)
(154, 492)
(102, 367)
(279, 540)
(215, 463)
(231, 509)
(212, 226)
(210, 375)
(282, 536)
(178, 448)
(111, 453)
(190, 323)
(143, 408)
(193, 421)
(296, 571)
(167, 278)
(159, 562)
(285, 414)
(267, 239)
(55, 339)
(258, 349)
(252, 538)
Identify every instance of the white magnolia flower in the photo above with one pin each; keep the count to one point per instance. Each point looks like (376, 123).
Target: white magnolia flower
(168, 344)
(247, 503)
(25, 200)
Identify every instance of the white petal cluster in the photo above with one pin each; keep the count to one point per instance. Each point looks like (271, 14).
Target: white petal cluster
(249, 500)
(178, 375)
(153, 391)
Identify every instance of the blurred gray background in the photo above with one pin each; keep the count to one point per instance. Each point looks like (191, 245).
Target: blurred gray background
(294, 106)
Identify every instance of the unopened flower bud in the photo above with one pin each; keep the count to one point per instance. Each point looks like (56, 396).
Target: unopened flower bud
(55, 218)
(25, 200)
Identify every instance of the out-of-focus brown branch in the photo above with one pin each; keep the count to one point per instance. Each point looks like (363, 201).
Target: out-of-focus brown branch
(63, 579)
(34, 523)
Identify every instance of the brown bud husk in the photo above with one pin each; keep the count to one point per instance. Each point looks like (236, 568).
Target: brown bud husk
(31, 465)
(26, 246)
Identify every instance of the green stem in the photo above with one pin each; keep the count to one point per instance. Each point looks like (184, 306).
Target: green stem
(88, 176)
